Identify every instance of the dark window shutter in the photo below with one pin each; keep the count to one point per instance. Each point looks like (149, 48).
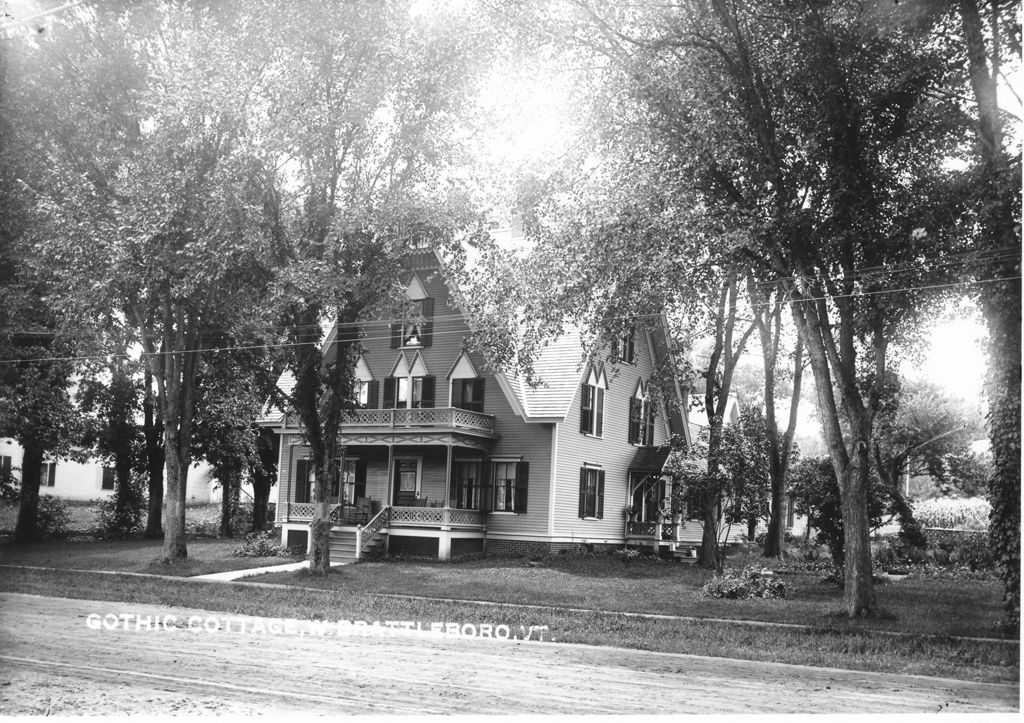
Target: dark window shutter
(478, 394)
(390, 389)
(302, 480)
(372, 394)
(51, 474)
(427, 327)
(427, 393)
(108, 478)
(397, 331)
(600, 494)
(486, 475)
(522, 485)
(5, 467)
(583, 492)
(586, 409)
(634, 420)
(599, 412)
(459, 393)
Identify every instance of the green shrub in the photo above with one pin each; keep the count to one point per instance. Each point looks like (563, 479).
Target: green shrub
(53, 517)
(261, 544)
(110, 523)
(203, 528)
(744, 584)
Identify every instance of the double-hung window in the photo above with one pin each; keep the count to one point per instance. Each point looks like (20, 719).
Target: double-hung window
(48, 474)
(508, 485)
(592, 395)
(415, 325)
(641, 417)
(591, 493)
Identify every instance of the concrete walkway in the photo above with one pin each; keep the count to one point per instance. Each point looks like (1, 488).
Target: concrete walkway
(253, 571)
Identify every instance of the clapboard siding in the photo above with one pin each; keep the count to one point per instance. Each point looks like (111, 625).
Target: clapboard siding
(612, 452)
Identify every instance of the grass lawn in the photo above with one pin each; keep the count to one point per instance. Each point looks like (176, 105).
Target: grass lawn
(923, 606)
(926, 611)
(204, 556)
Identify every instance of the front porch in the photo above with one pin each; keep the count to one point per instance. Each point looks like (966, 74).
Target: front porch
(444, 532)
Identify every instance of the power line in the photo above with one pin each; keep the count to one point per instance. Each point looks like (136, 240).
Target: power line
(468, 329)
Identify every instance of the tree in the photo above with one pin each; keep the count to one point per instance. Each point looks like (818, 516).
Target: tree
(767, 306)
(153, 207)
(746, 464)
(812, 133)
(109, 394)
(990, 41)
(35, 359)
(366, 116)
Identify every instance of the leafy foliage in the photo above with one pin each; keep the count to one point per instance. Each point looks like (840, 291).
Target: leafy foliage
(815, 491)
(746, 584)
(53, 517)
(261, 544)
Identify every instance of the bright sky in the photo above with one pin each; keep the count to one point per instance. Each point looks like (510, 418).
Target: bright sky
(955, 359)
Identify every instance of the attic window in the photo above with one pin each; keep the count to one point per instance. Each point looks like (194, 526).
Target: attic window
(414, 324)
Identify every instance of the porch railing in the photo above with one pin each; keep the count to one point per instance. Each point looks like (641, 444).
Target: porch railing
(444, 417)
(436, 517)
(670, 531)
(366, 533)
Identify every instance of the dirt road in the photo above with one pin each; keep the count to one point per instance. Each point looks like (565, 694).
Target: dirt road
(63, 656)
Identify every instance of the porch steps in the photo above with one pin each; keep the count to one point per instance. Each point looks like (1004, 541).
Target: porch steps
(343, 546)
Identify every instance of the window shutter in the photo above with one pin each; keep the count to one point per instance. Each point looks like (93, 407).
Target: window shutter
(600, 494)
(390, 388)
(478, 394)
(373, 394)
(522, 483)
(634, 420)
(427, 392)
(51, 474)
(582, 512)
(5, 467)
(427, 328)
(301, 485)
(397, 330)
(486, 474)
(599, 413)
(108, 479)
(585, 409)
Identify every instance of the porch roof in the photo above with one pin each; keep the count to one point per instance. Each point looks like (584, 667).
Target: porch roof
(649, 459)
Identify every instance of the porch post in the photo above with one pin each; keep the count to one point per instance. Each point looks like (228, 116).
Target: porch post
(448, 478)
(391, 474)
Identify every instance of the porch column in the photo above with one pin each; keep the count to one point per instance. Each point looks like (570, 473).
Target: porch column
(448, 478)
(391, 475)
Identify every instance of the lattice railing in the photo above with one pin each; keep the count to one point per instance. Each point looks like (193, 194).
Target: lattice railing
(447, 417)
(300, 511)
(641, 529)
(436, 516)
(335, 517)
(465, 517)
(417, 515)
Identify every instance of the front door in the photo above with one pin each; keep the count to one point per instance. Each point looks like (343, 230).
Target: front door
(406, 481)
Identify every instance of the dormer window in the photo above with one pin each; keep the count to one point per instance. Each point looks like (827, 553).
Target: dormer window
(413, 325)
(592, 403)
(624, 347)
(467, 386)
(641, 416)
(409, 386)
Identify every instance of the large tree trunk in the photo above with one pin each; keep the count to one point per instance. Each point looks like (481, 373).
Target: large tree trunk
(858, 581)
(178, 461)
(263, 479)
(231, 487)
(27, 527)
